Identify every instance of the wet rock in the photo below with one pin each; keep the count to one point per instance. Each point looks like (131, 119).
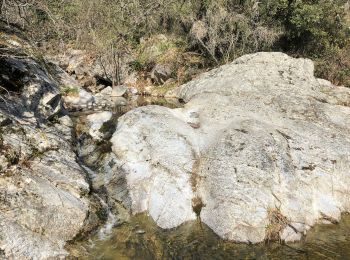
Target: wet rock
(292, 233)
(269, 137)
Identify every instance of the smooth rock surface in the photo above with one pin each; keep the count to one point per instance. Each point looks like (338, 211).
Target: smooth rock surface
(82, 99)
(119, 91)
(259, 137)
(95, 121)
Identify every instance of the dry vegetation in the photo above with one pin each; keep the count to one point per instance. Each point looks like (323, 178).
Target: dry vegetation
(216, 31)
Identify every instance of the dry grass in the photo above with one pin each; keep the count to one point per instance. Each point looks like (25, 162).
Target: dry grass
(277, 224)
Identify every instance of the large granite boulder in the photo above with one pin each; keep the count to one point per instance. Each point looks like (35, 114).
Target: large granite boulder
(261, 150)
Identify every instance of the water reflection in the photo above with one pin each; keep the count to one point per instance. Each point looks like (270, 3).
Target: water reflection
(142, 239)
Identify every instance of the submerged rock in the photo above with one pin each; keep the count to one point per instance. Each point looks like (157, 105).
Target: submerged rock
(260, 150)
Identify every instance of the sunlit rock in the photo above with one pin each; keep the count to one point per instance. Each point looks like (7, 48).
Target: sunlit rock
(260, 145)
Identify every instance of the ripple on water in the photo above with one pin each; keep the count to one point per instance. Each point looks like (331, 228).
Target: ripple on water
(142, 239)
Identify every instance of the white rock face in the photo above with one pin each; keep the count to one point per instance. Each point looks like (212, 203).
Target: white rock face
(256, 136)
(95, 121)
(44, 200)
(160, 175)
(119, 91)
(81, 100)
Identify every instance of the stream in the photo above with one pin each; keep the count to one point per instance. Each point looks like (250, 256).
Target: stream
(141, 238)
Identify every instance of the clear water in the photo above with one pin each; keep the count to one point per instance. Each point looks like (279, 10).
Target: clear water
(142, 239)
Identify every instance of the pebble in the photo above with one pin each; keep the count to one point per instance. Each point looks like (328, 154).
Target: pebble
(140, 231)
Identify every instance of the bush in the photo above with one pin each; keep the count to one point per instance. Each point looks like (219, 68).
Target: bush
(335, 66)
(228, 29)
(218, 30)
(70, 91)
(311, 26)
(317, 29)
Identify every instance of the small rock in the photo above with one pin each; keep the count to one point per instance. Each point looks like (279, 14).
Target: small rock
(119, 91)
(107, 91)
(133, 91)
(119, 101)
(290, 235)
(83, 97)
(95, 121)
(161, 73)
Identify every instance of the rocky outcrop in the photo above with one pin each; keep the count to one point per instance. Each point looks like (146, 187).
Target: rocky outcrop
(261, 150)
(83, 67)
(161, 73)
(39, 92)
(44, 193)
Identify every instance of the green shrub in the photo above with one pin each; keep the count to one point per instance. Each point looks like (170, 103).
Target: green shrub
(70, 91)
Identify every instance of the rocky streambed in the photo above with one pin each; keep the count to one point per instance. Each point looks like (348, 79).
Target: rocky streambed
(260, 151)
